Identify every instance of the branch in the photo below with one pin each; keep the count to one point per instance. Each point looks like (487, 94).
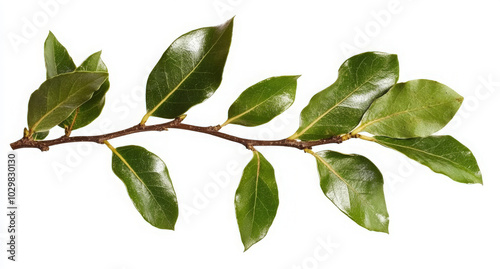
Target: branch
(44, 145)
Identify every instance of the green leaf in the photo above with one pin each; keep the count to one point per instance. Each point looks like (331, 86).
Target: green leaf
(91, 109)
(148, 184)
(263, 101)
(256, 200)
(442, 154)
(57, 59)
(189, 71)
(355, 185)
(416, 108)
(59, 96)
(40, 135)
(339, 108)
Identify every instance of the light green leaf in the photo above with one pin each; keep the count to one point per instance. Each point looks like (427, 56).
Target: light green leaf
(256, 200)
(189, 71)
(59, 96)
(415, 108)
(442, 154)
(57, 59)
(263, 101)
(355, 185)
(148, 184)
(91, 109)
(339, 108)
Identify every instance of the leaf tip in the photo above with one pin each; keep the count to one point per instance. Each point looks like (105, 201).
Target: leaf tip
(51, 35)
(228, 22)
(50, 38)
(384, 227)
(478, 180)
(247, 245)
(163, 226)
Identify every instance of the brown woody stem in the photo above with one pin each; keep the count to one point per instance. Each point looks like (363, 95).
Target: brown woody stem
(44, 145)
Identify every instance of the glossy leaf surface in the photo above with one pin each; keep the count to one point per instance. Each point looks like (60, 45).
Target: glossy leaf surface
(339, 108)
(148, 184)
(91, 109)
(188, 72)
(256, 200)
(263, 101)
(442, 154)
(59, 96)
(57, 59)
(355, 185)
(415, 108)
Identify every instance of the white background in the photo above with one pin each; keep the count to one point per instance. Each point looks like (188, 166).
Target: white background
(74, 212)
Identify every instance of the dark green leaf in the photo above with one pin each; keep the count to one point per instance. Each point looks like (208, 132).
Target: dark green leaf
(442, 154)
(40, 135)
(355, 185)
(91, 109)
(148, 184)
(188, 72)
(57, 58)
(263, 101)
(339, 108)
(416, 108)
(256, 200)
(59, 96)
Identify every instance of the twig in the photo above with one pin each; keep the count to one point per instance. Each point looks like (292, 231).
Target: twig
(44, 145)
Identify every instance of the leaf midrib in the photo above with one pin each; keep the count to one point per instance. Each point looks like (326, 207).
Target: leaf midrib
(55, 65)
(256, 193)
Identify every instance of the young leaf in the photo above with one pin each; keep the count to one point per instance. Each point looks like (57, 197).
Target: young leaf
(59, 96)
(263, 101)
(57, 59)
(416, 108)
(256, 200)
(188, 72)
(148, 184)
(442, 154)
(339, 108)
(355, 185)
(91, 109)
